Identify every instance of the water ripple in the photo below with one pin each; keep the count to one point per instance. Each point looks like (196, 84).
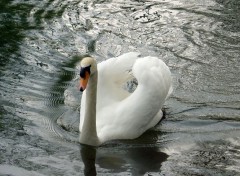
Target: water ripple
(198, 40)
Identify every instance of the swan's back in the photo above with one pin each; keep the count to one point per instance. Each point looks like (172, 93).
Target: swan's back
(121, 115)
(113, 74)
(154, 74)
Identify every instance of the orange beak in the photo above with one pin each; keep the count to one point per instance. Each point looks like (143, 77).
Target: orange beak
(83, 82)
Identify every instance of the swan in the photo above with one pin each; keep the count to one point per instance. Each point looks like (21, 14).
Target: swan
(108, 111)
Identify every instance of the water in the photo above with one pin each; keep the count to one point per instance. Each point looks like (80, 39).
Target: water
(199, 40)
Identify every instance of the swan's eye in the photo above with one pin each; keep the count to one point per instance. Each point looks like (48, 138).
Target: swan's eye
(83, 71)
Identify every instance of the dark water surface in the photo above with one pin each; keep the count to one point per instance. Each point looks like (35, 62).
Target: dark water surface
(39, 105)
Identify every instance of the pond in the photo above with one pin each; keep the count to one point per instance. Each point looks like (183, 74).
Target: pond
(41, 44)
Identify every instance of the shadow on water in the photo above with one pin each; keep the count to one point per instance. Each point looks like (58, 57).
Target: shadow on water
(137, 157)
(13, 24)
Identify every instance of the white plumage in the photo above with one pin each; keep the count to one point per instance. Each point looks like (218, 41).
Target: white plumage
(120, 114)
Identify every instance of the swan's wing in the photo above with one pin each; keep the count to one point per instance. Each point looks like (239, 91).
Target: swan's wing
(112, 74)
(116, 70)
(142, 109)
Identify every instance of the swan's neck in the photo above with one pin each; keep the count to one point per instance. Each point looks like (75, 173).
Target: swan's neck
(89, 132)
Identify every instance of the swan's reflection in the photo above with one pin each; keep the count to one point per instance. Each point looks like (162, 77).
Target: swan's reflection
(146, 159)
(136, 157)
(88, 154)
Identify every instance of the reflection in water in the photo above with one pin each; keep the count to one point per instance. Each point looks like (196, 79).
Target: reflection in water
(88, 154)
(146, 159)
(11, 28)
(138, 158)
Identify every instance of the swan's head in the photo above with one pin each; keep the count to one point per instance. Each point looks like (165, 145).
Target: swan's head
(88, 68)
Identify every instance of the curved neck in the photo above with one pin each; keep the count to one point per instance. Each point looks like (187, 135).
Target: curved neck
(89, 132)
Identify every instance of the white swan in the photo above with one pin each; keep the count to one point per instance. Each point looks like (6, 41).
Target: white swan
(110, 112)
